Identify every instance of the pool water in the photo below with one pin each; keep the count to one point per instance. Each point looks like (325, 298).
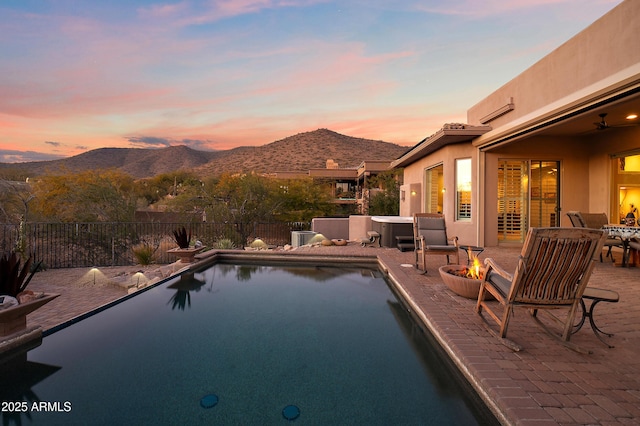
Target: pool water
(244, 344)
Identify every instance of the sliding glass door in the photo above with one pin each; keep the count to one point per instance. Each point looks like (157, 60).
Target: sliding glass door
(528, 196)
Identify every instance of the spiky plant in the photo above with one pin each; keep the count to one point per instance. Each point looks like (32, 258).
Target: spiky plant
(12, 276)
(224, 244)
(182, 237)
(144, 253)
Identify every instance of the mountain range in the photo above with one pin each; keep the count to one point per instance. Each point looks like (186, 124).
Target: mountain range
(297, 153)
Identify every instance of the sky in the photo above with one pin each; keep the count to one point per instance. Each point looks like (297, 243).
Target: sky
(77, 75)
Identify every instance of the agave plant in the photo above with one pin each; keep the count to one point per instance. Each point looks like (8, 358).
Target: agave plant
(12, 276)
(224, 244)
(182, 238)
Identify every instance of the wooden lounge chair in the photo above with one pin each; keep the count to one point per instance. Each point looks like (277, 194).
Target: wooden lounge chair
(595, 221)
(553, 270)
(430, 235)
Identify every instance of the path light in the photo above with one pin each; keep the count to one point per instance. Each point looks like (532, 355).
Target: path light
(94, 270)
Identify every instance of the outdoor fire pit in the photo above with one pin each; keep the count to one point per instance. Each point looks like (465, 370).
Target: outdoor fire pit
(462, 280)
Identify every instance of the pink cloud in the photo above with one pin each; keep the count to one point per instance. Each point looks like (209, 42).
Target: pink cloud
(405, 125)
(477, 9)
(181, 14)
(326, 73)
(162, 11)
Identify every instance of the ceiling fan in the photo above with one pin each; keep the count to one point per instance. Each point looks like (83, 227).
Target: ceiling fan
(602, 124)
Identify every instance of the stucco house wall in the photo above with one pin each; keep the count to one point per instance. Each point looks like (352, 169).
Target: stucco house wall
(596, 54)
(466, 231)
(574, 173)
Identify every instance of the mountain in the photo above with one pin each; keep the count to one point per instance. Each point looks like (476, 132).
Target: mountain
(297, 153)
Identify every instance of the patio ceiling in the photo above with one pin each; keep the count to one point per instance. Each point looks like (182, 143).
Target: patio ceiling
(577, 117)
(585, 123)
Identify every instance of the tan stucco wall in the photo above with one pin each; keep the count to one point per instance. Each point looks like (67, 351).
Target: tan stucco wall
(466, 231)
(607, 46)
(574, 176)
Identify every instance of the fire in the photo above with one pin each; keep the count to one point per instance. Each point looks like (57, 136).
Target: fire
(475, 271)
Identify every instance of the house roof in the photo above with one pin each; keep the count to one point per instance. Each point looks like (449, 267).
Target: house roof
(449, 134)
(334, 173)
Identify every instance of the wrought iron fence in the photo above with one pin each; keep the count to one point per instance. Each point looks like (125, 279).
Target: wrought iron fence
(73, 245)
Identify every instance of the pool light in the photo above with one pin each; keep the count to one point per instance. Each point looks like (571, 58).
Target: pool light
(291, 412)
(209, 401)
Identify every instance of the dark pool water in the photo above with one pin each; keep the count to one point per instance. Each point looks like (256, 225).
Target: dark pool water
(243, 345)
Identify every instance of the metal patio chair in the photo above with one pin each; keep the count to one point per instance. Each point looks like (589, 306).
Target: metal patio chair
(553, 270)
(595, 221)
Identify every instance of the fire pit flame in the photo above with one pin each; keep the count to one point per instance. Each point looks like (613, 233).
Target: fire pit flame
(474, 272)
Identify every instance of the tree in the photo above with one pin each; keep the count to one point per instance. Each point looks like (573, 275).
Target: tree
(304, 199)
(243, 200)
(386, 201)
(164, 185)
(15, 198)
(89, 196)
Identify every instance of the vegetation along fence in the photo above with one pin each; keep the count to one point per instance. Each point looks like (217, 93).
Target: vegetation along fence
(73, 245)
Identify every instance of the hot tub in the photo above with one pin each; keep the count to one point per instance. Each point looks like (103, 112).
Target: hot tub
(390, 227)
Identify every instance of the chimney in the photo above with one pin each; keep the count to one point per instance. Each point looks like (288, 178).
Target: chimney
(332, 164)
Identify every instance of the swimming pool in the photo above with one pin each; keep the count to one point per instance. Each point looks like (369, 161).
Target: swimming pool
(244, 344)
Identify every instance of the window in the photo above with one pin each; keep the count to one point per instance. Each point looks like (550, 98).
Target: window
(434, 189)
(463, 189)
(629, 163)
(345, 190)
(512, 208)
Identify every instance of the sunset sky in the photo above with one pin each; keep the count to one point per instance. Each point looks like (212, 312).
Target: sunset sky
(215, 74)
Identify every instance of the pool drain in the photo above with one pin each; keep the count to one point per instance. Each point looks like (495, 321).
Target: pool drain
(209, 401)
(290, 412)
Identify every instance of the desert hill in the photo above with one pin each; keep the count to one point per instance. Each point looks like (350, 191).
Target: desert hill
(300, 152)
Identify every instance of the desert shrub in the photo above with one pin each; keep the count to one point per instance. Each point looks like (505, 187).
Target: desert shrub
(224, 244)
(144, 253)
(161, 255)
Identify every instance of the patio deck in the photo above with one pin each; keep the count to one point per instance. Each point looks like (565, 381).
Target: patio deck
(546, 383)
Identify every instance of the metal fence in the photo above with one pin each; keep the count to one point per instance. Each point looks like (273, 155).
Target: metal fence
(73, 245)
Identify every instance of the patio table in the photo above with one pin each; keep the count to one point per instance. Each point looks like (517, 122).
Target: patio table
(625, 233)
(596, 295)
(467, 248)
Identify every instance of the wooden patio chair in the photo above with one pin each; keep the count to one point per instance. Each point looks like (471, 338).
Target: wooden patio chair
(595, 221)
(553, 270)
(430, 237)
